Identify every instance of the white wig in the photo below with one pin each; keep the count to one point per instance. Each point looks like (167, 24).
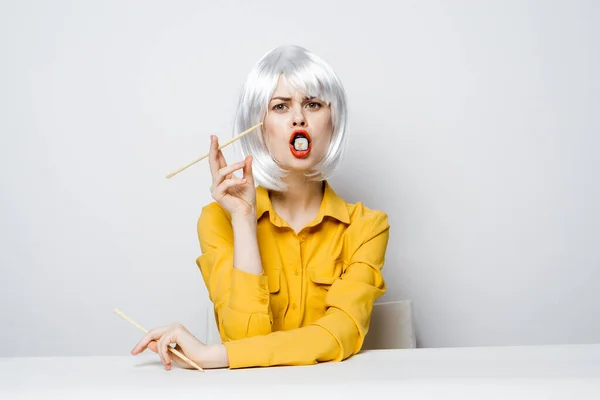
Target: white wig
(307, 73)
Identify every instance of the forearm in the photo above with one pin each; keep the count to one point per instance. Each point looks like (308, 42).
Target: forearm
(302, 346)
(245, 310)
(232, 270)
(246, 256)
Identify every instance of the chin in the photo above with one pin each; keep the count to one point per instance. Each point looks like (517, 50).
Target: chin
(300, 164)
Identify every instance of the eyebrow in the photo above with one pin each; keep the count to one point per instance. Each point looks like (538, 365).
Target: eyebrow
(289, 98)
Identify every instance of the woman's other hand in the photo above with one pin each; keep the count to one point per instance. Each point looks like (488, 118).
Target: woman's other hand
(158, 340)
(236, 195)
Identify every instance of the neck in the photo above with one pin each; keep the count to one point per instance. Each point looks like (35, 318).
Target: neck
(301, 197)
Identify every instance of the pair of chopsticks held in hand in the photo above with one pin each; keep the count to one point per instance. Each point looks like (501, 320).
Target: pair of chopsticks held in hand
(172, 174)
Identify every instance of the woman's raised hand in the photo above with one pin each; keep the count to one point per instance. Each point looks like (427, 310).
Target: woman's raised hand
(236, 195)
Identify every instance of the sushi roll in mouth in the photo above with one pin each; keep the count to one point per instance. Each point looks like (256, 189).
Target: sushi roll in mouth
(300, 143)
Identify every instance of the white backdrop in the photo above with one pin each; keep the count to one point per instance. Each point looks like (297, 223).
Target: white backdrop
(474, 125)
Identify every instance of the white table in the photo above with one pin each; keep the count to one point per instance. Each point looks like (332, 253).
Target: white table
(527, 372)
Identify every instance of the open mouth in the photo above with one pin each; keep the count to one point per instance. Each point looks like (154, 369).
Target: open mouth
(300, 143)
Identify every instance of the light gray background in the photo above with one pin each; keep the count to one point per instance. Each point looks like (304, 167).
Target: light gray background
(474, 125)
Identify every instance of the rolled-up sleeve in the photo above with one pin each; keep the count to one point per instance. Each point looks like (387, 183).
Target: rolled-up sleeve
(240, 299)
(340, 333)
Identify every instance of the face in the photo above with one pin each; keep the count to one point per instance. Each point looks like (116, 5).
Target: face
(297, 129)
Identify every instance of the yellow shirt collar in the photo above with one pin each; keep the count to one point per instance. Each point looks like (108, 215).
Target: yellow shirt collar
(331, 206)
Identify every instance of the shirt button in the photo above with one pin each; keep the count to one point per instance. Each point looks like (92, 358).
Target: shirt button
(296, 272)
(293, 306)
(263, 301)
(263, 286)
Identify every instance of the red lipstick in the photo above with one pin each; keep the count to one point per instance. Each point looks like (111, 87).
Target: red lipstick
(300, 143)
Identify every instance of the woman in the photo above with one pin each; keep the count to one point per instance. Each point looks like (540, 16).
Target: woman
(291, 268)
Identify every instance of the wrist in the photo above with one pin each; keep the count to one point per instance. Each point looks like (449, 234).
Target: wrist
(246, 218)
(215, 356)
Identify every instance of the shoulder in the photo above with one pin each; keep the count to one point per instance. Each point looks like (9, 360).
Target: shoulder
(213, 216)
(360, 213)
(214, 227)
(367, 220)
(214, 209)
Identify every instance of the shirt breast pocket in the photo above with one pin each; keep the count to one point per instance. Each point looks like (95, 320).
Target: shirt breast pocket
(278, 297)
(274, 278)
(325, 273)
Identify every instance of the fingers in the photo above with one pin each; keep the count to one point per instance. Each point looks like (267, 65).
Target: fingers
(186, 343)
(216, 157)
(248, 170)
(163, 347)
(154, 334)
(226, 172)
(220, 191)
(153, 345)
(225, 179)
(158, 340)
(221, 157)
(176, 359)
(164, 344)
(213, 156)
(223, 163)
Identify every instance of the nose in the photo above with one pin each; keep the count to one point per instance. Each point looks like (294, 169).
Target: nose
(298, 119)
(299, 122)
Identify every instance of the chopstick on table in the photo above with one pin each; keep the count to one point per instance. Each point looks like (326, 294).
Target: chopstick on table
(172, 174)
(141, 328)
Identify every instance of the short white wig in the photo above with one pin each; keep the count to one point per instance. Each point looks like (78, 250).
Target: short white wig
(307, 73)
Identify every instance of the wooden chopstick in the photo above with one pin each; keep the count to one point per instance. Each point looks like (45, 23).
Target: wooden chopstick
(172, 174)
(141, 328)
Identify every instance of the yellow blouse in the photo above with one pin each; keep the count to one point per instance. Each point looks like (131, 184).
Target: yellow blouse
(314, 300)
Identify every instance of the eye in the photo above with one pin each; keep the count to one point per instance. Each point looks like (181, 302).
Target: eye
(279, 107)
(313, 105)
